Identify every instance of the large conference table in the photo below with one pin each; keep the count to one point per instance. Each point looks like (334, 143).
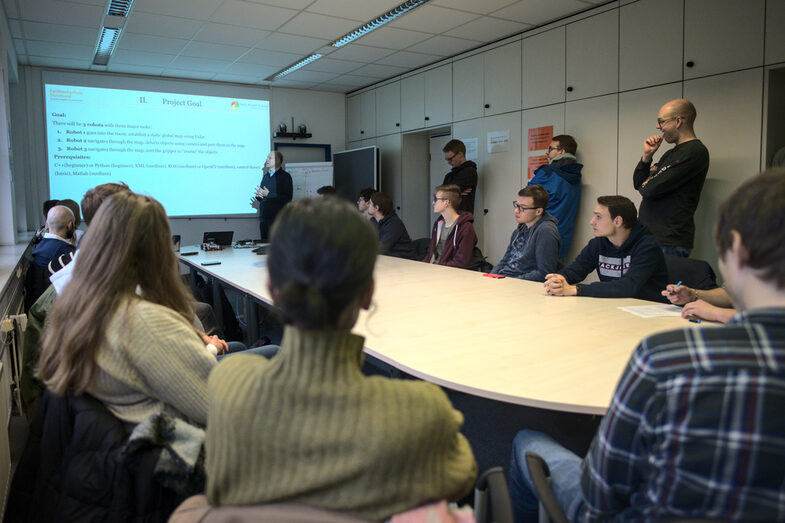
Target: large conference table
(502, 339)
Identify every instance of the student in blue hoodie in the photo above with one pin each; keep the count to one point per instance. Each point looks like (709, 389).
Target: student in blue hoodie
(534, 245)
(561, 177)
(625, 254)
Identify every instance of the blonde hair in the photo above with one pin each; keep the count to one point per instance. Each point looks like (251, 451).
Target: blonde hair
(127, 246)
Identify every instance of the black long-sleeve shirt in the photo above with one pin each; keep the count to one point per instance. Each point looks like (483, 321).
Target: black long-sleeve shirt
(671, 193)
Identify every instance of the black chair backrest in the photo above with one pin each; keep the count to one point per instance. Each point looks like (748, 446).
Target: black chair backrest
(696, 274)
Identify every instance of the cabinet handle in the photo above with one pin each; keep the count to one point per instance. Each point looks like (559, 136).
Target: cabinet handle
(398, 208)
(485, 212)
(397, 124)
(569, 89)
(362, 132)
(487, 106)
(690, 63)
(427, 118)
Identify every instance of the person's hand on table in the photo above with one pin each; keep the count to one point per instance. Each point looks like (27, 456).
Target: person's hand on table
(556, 285)
(702, 310)
(678, 294)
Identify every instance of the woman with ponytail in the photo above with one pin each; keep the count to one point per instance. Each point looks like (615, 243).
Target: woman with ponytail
(307, 426)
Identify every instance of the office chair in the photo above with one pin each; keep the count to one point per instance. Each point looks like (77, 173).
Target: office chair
(694, 273)
(491, 487)
(540, 475)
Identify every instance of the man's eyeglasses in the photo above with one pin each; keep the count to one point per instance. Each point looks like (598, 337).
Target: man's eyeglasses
(660, 121)
(551, 148)
(448, 159)
(516, 205)
(436, 199)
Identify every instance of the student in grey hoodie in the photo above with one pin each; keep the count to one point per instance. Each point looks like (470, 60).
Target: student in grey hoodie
(534, 245)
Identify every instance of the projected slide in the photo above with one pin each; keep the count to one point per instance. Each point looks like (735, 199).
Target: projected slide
(198, 155)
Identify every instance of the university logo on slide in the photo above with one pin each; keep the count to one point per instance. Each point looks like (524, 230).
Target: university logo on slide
(235, 105)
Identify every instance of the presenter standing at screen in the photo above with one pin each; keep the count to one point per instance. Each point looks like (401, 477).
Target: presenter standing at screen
(273, 193)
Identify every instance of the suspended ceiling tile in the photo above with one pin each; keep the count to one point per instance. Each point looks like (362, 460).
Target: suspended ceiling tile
(199, 64)
(408, 59)
(57, 12)
(352, 9)
(291, 43)
(318, 26)
(153, 44)
(475, 6)
(214, 51)
(246, 69)
(353, 81)
(196, 9)
(49, 61)
(335, 88)
(329, 65)
(433, 19)
(293, 84)
(380, 71)
(248, 14)
(271, 58)
(291, 4)
(60, 50)
(311, 76)
(488, 29)
(444, 46)
(135, 69)
(539, 12)
(16, 28)
(160, 25)
(141, 58)
(188, 73)
(236, 78)
(10, 8)
(393, 38)
(360, 53)
(68, 34)
(231, 34)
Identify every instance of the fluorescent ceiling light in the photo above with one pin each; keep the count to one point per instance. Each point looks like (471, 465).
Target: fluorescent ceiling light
(119, 7)
(113, 23)
(105, 47)
(379, 21)
(295, 66)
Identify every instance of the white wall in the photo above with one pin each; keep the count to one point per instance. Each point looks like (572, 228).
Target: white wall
(323, 113)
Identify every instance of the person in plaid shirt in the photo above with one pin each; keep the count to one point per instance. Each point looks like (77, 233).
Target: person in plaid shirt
(695, 428)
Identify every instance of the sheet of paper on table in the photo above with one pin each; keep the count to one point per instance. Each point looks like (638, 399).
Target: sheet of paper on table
(653, 311)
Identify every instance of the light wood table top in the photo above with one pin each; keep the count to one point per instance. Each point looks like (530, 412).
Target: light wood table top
(499, 339)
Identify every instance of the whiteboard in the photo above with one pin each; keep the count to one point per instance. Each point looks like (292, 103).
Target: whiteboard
(307, 177)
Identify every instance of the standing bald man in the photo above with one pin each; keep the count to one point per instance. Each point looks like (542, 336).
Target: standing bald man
(671, 188)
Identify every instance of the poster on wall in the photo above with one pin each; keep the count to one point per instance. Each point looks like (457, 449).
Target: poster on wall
(540, 137)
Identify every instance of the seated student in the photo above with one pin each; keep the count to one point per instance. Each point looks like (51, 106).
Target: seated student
(695, 427)
(307, 426)
(325, 190)
(58, 241)
(78, 233)
(534, 245)
(626, 256)
(393, 237)
(363, 199)
(453, 237)
(709, 305)
(137, 353)
(561, 177)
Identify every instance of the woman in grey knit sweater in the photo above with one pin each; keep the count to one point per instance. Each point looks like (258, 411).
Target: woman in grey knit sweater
(122, 329)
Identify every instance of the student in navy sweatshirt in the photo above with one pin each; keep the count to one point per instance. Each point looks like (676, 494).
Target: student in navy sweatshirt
(625, 254)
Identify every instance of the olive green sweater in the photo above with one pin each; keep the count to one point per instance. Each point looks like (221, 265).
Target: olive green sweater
(308, 427)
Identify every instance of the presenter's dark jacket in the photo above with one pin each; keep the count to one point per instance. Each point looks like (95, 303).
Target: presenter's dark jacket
(394, 238)
(634, 270)
(280, 186)
(671, 193)
(465, 177)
